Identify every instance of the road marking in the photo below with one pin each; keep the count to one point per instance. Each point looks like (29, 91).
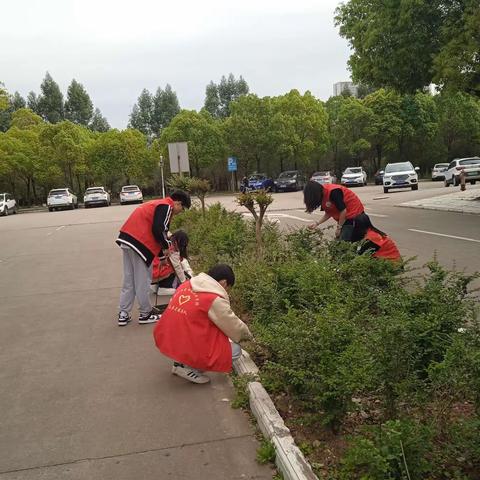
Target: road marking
(379, 215)
(59, 228)
(445, 235)
(56, 230)
(286, 215)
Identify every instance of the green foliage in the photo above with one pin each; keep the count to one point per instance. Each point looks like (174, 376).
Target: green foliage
(78, 106)
(218, 97)
(141, 115)
(50, 102)
(99, 123)
(240, 383)
(165, 108)
(266, 452)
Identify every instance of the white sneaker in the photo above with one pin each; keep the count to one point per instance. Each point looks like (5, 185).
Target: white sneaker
(148, 318)
(190, 374)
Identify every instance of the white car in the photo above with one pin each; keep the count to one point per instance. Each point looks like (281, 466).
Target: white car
(61, 198)
(7, 204)
(324, 177)
(130, 194)
(471, 167)
(96, 196)
(438, 171)
(400, 175)
(354, 176)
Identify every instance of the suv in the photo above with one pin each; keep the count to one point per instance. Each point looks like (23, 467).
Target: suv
(290, 180)
(354, 176)
(324, 177)
(130, 194)
(7, 204)
(438, 171)
(96, 196)
(471, 167)
(400, 175)
(61, 198)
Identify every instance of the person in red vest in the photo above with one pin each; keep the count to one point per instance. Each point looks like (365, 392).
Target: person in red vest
(339, 203)
(375, 242)
(198, 324)
(169, 272)
(141, 239)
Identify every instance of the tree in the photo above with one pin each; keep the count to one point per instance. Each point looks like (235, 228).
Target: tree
(141, 116)
(32, 102)
(78, 107)
(386, 124)
(218, 97)
(17, 102)
(459, 123)
(50, 102)
(99, 123)
(165, 107)
(13, 103)
(3, 98)
(204, 136)
(24, 118)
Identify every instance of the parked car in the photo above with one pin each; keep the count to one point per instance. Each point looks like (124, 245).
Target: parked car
(259, 181)
(324, 177)
(379, 177)
(291, 180)
(400, 175)
(7, 204)
(471, 167)
(438, 171)
(354, 176)
(96, 196)
(130, 194)
(60, 198)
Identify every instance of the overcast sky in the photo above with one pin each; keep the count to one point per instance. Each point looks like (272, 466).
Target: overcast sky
(117, 48)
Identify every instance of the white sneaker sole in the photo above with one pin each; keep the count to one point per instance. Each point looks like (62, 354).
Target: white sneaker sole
(149, 320)
(190, 375)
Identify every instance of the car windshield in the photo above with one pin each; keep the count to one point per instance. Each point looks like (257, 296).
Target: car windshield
(288, 175)
(256, 178)
(91, 191)
(398, 167)
(321, 174)
(130, 189)
(58, 192)
(470, 161)
(441, 165)
(353, 170)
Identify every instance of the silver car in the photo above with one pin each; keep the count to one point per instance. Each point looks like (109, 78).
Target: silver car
(130, 194)
(470, 167)
(96, 196)
(7, 204)
(324, 177)
(60, 198)
(438, 171)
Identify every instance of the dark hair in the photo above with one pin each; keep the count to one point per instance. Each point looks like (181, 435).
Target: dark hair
(361, 225)
(181, 240)
(221, 271)
(183, 197)
(312, 195)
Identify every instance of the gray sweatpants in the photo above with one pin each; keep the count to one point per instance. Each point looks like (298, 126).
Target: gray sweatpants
(136, 282)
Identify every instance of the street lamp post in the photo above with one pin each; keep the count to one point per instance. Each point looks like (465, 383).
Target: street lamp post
(160, 164)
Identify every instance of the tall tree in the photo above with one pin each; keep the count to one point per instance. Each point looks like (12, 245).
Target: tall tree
(165, 107)
(218, 97)
(32, 102)
(17, 102)
(141, 116)
(78, 106)
(50, 102)
(99, 123)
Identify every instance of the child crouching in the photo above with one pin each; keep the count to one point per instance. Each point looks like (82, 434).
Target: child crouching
(198, 324)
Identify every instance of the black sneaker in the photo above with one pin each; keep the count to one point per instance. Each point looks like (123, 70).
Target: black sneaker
(148, 318)
(123, 319)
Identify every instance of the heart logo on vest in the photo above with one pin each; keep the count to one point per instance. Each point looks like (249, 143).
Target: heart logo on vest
(183, 299)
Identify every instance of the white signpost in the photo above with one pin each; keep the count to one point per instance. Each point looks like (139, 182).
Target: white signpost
(178, 155)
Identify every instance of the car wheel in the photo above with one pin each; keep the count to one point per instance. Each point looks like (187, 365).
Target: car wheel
(385, 190)
(445, 183)
(76, 205)
(50, 209)
(72, 206)
(15, 210)
(454, 181)
(5, 213)
(415, 187)
(473, 182)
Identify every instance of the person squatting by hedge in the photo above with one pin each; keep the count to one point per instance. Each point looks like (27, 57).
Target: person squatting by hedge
(337, 202)
(141, 239)
(199, 331)
(172, 270)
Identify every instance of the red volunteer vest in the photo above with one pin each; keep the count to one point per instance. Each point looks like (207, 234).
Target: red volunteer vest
(352, 203)
(138, 228)
(387, 249)
(161, 270)
(186, 334)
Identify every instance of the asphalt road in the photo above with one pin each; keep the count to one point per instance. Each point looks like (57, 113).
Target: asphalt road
(80, 397)
(407, 226)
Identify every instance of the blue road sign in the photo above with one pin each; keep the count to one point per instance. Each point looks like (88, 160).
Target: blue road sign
(232, 164)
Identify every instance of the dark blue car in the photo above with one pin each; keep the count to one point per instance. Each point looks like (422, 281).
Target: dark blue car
(259, 181)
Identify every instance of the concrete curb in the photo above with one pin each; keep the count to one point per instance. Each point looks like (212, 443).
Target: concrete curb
(440, 209)
(289, 458)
